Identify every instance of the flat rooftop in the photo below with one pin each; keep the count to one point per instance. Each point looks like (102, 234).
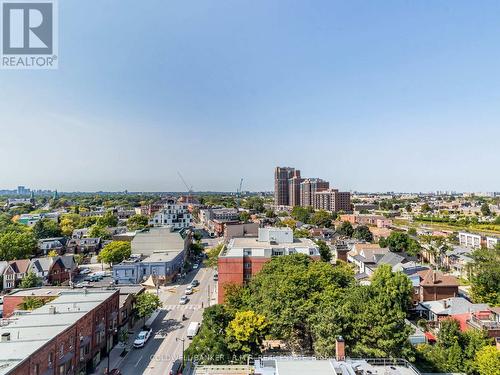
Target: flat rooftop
(237, 245)
(30, 332)
(157, 240)
(294, 366)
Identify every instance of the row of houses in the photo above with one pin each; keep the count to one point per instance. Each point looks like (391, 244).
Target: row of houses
(51, 270)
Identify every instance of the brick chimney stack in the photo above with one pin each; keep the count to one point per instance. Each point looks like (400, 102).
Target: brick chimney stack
(339, 348)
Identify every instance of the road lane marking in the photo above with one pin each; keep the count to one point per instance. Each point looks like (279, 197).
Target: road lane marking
(140, 359)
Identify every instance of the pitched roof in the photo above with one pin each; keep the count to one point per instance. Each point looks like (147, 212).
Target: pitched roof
(20, 265)
(437, 278)
(41, 264)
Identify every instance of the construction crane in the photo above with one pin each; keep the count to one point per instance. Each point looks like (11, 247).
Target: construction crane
(189, 188)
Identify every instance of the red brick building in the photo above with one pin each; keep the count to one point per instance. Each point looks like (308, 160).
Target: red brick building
(244, 257)
(68, 335)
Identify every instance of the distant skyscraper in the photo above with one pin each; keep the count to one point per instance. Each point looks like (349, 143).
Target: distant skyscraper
(282, 175)
(309, 187)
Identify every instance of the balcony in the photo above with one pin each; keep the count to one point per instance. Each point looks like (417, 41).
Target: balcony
(491, 326)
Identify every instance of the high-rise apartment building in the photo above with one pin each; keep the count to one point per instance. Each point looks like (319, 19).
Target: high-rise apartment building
(294, 189)
(309, 187)
(332, 200)
(282, 175)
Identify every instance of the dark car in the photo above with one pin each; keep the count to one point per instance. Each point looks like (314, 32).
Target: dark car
(195, 283)
(115, 371)
(176, 367)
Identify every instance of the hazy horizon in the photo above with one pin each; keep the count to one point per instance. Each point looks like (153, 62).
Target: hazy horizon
(381, 96)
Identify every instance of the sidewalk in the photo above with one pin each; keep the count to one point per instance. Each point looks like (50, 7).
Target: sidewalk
(114, 358)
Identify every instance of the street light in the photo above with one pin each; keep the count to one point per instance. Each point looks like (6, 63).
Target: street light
(178, 339)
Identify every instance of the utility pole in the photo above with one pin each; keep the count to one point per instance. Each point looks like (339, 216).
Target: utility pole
(208, 295)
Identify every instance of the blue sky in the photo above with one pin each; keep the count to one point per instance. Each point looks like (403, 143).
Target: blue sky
(373, 96)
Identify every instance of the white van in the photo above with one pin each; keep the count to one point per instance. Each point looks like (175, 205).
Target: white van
(193, 329)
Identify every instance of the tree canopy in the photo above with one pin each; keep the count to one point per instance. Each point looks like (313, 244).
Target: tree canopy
(46, 228)
(137, 222)
(30, 280)
(345, 229)
(362, 233)
(115, 252)
(146, 304)
(17, 245)
(485, 276)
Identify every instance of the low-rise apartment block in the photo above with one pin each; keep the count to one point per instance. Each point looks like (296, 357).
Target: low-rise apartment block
(68, 335)
(243, 257)
(173, 214)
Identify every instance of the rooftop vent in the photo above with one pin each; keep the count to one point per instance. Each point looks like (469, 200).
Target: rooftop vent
(5, 336)
(52, 310)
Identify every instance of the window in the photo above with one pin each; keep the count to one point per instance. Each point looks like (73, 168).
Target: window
(51, 359)
(247, 252)
(248, 265)
(61, 370)
(36, 369)
(61, 351)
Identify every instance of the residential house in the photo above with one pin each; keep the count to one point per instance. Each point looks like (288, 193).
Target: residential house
(79, 233)
(83, 245)
(457, 308)
(488, 321)
(14, 273)
(62, 270)
(46, 245)
(434, 286)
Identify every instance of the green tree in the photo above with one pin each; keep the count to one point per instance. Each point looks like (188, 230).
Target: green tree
(146, 304)
(213, 255)
(209, 346)
(196, 248)
(302, 214)
(46, 228)
(137, 222)
(485, 277)
(115, 252)
(16, 245)
(322, 219)
(362, 233)
(425, 208)
(412, 231)
(244, 216)
(98, 231)
(69, 222)
(246, 332)
(32, 303)
(485, 209)
(324, 250)
(398, 242)
(52, 254)
(345, 229)
(449, 332)
(30, 280)
(488, 361)
(107, 220)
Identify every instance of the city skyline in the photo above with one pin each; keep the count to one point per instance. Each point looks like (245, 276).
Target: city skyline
(373, 97)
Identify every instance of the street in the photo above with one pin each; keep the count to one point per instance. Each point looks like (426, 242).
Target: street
(163, 349)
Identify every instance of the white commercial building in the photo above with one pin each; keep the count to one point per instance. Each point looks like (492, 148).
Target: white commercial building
(491, 242)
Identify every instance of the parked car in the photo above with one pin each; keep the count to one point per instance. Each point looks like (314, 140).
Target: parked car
(83, 284)
(142, 338)
(216, 277)
(189, 290)
(195, 283)
(183, 300)
(115, 371)
(196, 266)
(1, 300)
(176, 367)
(85, 271)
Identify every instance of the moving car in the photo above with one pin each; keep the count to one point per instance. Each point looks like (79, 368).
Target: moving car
(189, 290)
(142, 338)
(193, 329)
(195, 283)
(216, 277)
(183, 300)
(195, 266)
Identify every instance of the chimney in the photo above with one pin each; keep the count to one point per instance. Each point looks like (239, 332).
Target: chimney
(339, 348)
(52, 310)
(6, 337)
(434, 277)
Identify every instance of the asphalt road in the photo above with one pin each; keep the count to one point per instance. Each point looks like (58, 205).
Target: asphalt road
(162, 349)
